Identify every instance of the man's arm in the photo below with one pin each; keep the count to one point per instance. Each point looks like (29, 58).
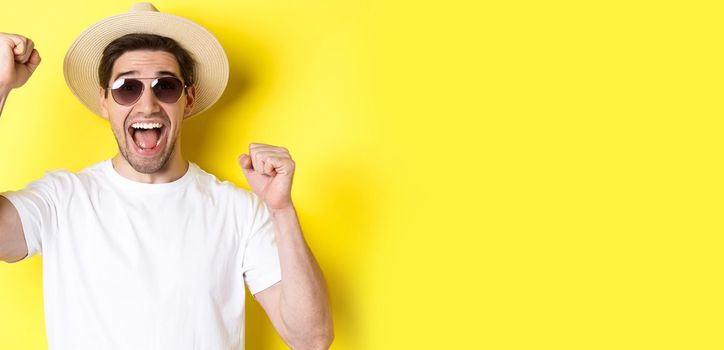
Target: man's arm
(12, 239)
(298, 306)
(3, 97)
(18, 61)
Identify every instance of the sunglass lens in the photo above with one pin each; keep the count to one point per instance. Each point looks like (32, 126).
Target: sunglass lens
(126, 91)
(167, 89)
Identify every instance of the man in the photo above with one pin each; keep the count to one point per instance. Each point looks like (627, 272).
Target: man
(146, 250)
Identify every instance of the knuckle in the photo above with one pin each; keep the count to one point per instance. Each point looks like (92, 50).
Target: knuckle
(8, 41)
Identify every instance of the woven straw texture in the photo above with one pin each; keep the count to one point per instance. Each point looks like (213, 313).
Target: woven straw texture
(83, 57)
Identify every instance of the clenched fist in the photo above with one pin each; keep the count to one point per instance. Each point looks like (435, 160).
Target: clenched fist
(269, 171)
(18, 61)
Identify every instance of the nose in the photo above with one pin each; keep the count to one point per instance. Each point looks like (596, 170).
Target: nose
(147, 103)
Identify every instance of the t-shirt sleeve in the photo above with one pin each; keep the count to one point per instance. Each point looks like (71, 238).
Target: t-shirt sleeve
(261, 265)
(36, 205)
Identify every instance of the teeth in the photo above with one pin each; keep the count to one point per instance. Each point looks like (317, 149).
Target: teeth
(146, 125)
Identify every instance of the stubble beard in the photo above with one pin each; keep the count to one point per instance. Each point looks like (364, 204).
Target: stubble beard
(146, 165)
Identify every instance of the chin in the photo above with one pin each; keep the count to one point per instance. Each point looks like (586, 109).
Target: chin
(146, 167)
(149, 165)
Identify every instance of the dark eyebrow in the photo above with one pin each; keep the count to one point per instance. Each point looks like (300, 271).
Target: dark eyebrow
(158, 74)
(124, 73)
(165, 73)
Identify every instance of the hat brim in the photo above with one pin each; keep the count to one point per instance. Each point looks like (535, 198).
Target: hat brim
(80, 66)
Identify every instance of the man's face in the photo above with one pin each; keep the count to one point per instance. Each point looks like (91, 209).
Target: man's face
(146, 146)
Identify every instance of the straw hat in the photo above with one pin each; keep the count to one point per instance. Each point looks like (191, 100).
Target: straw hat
(84, 55)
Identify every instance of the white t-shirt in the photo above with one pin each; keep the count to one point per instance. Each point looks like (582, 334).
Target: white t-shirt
(128, 265)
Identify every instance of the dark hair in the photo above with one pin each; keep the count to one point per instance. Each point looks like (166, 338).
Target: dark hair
(142, 41)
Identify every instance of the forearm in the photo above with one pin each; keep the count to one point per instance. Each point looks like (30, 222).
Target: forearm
(3, 97)
(304, 302)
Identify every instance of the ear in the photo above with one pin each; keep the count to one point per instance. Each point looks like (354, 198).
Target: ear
(103, 101)
(190, 100)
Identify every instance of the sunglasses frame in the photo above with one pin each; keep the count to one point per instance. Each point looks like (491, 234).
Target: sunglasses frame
(143, 89)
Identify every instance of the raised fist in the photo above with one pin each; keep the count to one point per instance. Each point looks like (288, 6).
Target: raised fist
(18, 60)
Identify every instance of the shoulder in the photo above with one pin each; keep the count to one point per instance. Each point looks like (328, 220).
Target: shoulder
(236, 201)
(51, 187)
(94, 170)
(212, 185)
(94, 174)
(55, 179)
(64, 181)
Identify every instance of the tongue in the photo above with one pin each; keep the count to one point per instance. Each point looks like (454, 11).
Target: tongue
(146, 138)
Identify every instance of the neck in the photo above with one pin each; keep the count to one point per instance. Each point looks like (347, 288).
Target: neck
(173, 170)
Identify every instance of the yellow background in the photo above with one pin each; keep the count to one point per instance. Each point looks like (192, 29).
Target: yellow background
(471, 175)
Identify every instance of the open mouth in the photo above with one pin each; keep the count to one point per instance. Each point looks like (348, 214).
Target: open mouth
(147, 137)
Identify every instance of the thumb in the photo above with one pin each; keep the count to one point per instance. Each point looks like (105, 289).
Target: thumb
(33, 61)
(245, 163)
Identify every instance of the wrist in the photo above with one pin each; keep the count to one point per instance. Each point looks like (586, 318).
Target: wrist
(286, 210)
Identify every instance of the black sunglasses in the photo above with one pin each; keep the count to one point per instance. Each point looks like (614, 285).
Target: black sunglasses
(127, 91)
